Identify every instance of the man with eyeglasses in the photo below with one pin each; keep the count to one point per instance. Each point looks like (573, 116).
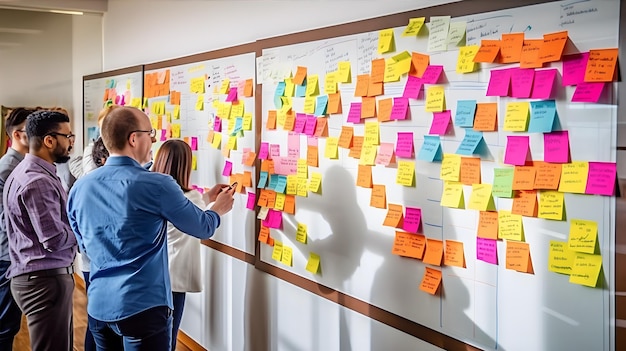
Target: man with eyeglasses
(42, 245)
(10, 313)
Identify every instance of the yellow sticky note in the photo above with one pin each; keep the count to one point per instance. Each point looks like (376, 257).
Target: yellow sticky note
(247, 121)
(574, 177)
(302, 187)
(176, 112)
(175, 130)
(406, 173)
(313, 263)
(583, 235)
(200, 102)
(301, 233)
(217, 140)
(290, 87)
(287, 257)
(231, 125)
(315, 183)
(330, 83)
(128, 84)
(435, 99)
(403, 62)
(225, 86)
(309, 105)
(450, 167)
(232, 143)
(586, 269)
(385, 41)
(312, 85)
(279, 202)
(392, 71)
(413, 28)
(551, 205)
(135, 102)
(368, 154)
(237, 110)
(343, 73)
(510, 226)
(292, 184)
(560, 258)
(196, 85)
(277, 252)
(331, 148)
(371, 133)
(303, 169)
(481, 198)
(194, 162)
(465, 61)
(452, 195)
(516, 116)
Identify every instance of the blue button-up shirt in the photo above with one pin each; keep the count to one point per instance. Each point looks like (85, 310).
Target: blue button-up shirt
(119, 214)
(39, 234)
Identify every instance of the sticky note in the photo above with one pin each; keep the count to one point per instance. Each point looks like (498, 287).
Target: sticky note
(385, 154)
(518, 257)
(601, 65)
(378, 198)
(277, 252)
(394, 215)
(542, 116)
(465, 111)
(481, 198)
(368, 154)
(503, 182)
(450, 168)
(465, 60)
(529, 57)
(488, 225)
(419, 64)
(364, 176)
(586, 269)
(406, 173)
(516, 116)
(511, 47)
(574, 177)
(471, 143)
(574, 68)
(524, 177)
(452, 195)
(522, 82)
(440, 123)
(499, 82)
(488, 51)
(543, 83)
(431, 149)
(301, 233)
(525, 203)
(331, 151)
(560, 258)
(516, 150)
(431, 280)
(438, 33)
(399, 109)
(551, 205)
(510, 226)
(412, 87)
(583, 235)
(601, 178)
(385, 41)
(487, 250)
(409, 245)
(556, 147)
(435, 99)
(588, 92)
(434, 252)
(548, 175)
(404, 145)
(313, 263)
(454, 254)
(412, 219)
(470, 170)
(553, 45)
(414, 26)
(486, 117)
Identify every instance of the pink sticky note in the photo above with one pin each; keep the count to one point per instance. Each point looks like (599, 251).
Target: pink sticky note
(117, 99)
(354, 116)
(543, 83)
(384, 154)
(217, 124)
(194, 143)
(499, 82)
(274, 150)
(286, 165)
(431, 74)
(487, 250)
(522, 82)
(312, 141)
(163, 135)
(404, 146)
(588, 92)
(601, 178)
(399, 109)
(441, 122)
(412, 219)
(556, 147)
(311, 123)
(574, 67)
(516, 150)
(412, 87)
(251, 201)
(232, 95)
(274, 219)
(300, 123)
(228, 169)
(293, 145)
(263, 151)
(126, 97)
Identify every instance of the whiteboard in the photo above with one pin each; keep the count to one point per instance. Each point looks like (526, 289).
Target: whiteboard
(237, 226)
(484, 305)
(120, 87)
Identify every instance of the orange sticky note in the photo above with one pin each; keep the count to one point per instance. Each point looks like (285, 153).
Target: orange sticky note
(271, 119)
(321, 128)
(334, 103)
(264, 234)
(524, 178)
(488, 225)
(375, 89)
(454, 255)
(488, 51)
(368, 107)
(434, 252)
(553, 45)
(486, 117)
(247, 89)
(601, 65)
(470, 170)
(379, 196)
(419, 63)
(378, 70)
(518, 257)
(362, 84)
(511, 47)
(525, 203)
(394, 216)
(290, 204)
(364, 176)
(530, 54)
(431, 281)
(357, 145)
(409, 245)
(345, 138)
(384, 109)
(312, 156)
(290, 121)
(547, 176)
(300, 75)
(249, 158)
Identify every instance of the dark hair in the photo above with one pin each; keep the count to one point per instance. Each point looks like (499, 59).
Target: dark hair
(99, 152)
(41, 123)
(118, 125)
(174, 158)
(15, 118)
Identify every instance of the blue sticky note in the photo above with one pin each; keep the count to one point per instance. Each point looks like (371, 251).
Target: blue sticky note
(431, 149)
(465, 111)
(278, 102)
(320, 106)
(262, 179)
(281, 185)
(301, 89)
(470, 142)
(273, 182)
(238, 126)
(280, 89)
(92, 133)
(542, 116)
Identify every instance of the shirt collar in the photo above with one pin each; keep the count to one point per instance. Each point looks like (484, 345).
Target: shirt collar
(121, 161)
(51, 168)
(11, 151)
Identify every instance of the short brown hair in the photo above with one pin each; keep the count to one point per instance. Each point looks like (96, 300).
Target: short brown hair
(117, 126)
(174, 158)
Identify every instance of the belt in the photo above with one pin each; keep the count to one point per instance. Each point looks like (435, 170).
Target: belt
(48, 272)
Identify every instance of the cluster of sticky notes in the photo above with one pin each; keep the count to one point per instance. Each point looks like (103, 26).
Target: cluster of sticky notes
(156, 84)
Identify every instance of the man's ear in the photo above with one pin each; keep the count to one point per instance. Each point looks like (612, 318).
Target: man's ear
(47, 141)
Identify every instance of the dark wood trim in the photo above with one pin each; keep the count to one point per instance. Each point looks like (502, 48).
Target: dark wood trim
(116, 72)
(205, 56)
(229, 250)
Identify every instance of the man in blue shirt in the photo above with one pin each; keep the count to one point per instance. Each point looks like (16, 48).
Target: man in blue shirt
(119, 214)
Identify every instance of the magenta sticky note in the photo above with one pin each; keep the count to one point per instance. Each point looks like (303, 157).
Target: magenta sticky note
(588, 92)
(412, 88)
(574, 67)
(354, 115)
(487, 250)
(300, 123)
(122, 100)
(217, 125)
(163, 135)
(499, 82)
(311, 123)
(522, 82)
(274, 219)
(274, 150)
(543, 83)
(293, 145)
(228, 169)
(399, 109)
(117, 99)
(194, 143)
(431, 74)
(441, 122)
(516, 150)
(404, 145)
(264, 151)
(556, 147)
(412, 219)
(601, 178)
(232, 95)
(251, 201)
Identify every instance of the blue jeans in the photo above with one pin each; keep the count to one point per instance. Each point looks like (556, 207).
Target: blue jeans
(90, 344)
(179, 306)
(150, 330)
(10, 314)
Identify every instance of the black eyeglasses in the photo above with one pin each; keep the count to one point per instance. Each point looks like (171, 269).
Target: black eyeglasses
(71, 137)
(151, 132)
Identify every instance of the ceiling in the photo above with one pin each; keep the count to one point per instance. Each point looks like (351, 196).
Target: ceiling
(89, 6)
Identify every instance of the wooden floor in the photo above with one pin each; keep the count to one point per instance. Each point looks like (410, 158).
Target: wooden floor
(22, 341)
